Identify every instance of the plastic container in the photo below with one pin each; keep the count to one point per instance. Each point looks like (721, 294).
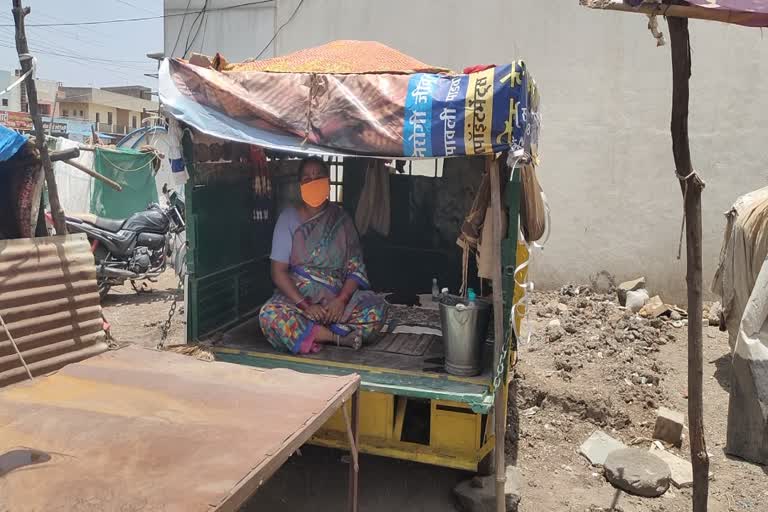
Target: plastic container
(465, 326)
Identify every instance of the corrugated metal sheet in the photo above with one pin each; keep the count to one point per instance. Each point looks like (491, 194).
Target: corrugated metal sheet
(142, 430)
(50, 303)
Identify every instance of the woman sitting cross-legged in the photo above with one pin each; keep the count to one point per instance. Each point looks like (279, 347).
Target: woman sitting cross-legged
(322, 291)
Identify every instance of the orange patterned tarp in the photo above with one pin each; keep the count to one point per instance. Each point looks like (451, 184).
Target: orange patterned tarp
(340, 57)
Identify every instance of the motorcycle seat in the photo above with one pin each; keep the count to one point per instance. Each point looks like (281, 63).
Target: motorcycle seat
(112, 225)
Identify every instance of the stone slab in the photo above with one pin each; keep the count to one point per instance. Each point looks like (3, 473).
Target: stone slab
(599, 445)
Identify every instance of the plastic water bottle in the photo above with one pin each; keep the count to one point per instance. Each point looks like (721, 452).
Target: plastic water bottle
(471, 297)
(435, 290)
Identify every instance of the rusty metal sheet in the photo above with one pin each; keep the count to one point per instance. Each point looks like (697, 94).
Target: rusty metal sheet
(137, 429)
(50, 303)
(750, 13)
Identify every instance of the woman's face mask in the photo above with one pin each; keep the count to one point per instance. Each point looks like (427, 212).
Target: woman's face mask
(316, 192)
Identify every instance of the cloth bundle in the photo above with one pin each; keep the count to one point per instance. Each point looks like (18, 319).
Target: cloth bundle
(533, 221)
(373, 208)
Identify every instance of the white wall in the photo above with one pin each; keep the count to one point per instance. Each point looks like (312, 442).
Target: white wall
(238, 34)
(606, 94)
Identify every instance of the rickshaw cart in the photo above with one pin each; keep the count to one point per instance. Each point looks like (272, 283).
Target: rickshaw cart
(352, 103)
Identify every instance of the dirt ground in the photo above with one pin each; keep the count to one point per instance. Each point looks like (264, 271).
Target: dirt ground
(601, 368)
(138, 317)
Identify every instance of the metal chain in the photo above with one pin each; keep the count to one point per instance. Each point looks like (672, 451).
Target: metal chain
(166, 327)
(500, 367)
(112, 343)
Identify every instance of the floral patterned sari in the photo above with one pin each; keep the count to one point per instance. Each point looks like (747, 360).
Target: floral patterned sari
(325, 253)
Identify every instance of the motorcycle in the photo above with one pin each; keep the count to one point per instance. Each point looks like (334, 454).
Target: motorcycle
(137, 248)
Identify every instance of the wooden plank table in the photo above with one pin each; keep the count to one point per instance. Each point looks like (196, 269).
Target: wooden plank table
(137, 429)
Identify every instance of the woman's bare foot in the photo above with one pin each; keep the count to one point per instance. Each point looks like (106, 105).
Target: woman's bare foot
(352, 340)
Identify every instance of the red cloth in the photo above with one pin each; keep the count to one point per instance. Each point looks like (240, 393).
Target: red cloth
(477, 68)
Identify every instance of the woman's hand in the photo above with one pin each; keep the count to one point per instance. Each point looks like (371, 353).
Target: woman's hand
(316, 313)
(335, 310)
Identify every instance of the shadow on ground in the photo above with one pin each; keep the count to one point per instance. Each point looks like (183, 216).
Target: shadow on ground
(723, 371)
(317, 480)
(125, 295)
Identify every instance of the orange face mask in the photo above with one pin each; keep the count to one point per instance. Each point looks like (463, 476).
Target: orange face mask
(316, 192)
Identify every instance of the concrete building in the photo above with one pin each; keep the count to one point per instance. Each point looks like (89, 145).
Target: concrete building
(607, 164)
(137, 91)
(15, 100)
(111, 112)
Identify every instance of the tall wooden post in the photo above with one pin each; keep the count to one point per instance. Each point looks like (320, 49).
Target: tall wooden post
(499, 405)
(692, 186)
(26, 64)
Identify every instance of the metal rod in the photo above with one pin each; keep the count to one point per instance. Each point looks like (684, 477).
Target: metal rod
(352, 443)
(16, 348)
(353, 431)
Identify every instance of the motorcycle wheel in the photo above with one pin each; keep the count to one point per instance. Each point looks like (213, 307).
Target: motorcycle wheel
(103, 286)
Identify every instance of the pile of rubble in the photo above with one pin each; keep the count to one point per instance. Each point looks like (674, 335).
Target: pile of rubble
(600, 342)
(617, 327)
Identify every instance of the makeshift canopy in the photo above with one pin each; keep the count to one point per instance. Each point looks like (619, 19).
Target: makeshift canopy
(379, 103)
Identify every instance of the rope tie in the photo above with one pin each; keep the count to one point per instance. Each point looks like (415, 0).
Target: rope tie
(685, 199)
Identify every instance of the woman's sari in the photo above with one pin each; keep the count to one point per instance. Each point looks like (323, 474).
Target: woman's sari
(325, 253)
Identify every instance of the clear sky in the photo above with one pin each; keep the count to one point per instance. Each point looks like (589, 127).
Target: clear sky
(97, 55)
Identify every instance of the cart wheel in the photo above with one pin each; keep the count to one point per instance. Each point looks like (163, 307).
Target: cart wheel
(486, 466)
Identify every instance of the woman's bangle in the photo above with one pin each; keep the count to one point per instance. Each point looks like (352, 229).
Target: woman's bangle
(302, 304)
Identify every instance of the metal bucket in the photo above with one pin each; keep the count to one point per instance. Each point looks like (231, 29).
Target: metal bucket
(465, 327)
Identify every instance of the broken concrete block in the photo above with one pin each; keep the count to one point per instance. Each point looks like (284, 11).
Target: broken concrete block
(681, 470)
(669, 426)
(636, 300)
(654, 307)
(554, 330)
(637, 472)
(478, 494)
(629, 286)
(597, 448)
(714, 314)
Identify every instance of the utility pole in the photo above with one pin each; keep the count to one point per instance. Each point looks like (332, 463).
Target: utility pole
(25, 59)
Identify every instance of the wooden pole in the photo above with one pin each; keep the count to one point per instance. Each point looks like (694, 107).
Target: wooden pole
(499, 407)
(94, 174)
(692, 186)
(64, 154)
(53, 112)
(26, 64)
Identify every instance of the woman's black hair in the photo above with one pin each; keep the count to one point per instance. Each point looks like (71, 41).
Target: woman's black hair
(315, 159)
